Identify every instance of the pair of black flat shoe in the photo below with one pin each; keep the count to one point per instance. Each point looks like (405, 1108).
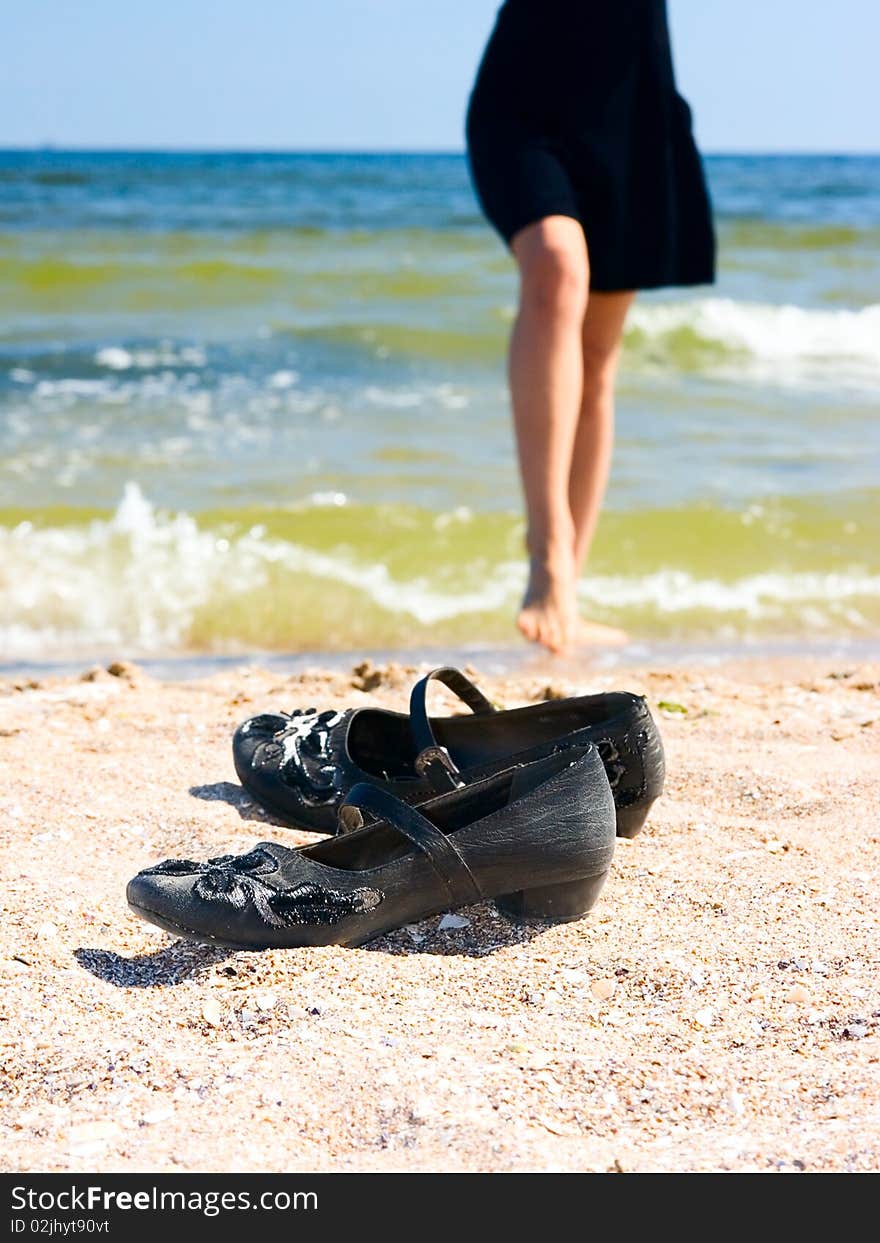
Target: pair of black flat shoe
(429, 814)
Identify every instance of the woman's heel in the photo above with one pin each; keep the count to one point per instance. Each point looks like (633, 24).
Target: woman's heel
(557, 903)
(631, 820)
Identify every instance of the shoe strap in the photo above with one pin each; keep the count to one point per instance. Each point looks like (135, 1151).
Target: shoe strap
(432, 760)
(437, 847)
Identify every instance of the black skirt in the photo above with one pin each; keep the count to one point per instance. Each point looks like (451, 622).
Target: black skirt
(575, 113)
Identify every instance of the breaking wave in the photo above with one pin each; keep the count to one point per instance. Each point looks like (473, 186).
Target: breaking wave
(144, 581)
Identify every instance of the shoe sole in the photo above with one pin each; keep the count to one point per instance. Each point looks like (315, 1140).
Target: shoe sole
(551, 904)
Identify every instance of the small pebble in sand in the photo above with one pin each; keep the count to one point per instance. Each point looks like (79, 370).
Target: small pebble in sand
(92, 1132)
(47, 930)
(855, 1031)
(154, 1116)
(94, 674)
(450, 922)
(797, 995)
(421, 1109)
(123, 669)
(704, 1017)
(266, 1001)
(602, 990)
(212, 1012)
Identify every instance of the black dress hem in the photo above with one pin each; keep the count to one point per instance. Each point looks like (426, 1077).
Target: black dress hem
(575, 112)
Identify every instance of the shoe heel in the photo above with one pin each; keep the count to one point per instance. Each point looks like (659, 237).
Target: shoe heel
(631, 820)
(556, 903)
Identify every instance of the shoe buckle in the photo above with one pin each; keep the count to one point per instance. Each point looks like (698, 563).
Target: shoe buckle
(438, 755)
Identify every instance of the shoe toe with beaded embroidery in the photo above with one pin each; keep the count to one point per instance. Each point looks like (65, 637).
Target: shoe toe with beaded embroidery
(538, 838)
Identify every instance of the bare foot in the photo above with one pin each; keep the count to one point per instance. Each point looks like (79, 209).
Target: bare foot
(595, 634)
(548, 613)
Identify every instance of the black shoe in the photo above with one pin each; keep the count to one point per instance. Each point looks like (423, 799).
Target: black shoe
(538, 838)
(300, 765)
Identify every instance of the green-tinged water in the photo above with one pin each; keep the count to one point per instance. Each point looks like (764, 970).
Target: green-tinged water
(259, 402)
(347, 575)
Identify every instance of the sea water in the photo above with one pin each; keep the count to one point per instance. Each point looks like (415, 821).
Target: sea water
(258, 401)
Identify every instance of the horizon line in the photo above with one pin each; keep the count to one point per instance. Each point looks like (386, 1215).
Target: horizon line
(50, 148)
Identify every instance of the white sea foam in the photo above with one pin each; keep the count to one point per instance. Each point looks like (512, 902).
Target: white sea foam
(115, 358)
(137, 578)
(71, 388)
(396, 399)
(328, 499)
(755, 596)
(141, 578)
(449, 396)
(283, 379)
(788, 344)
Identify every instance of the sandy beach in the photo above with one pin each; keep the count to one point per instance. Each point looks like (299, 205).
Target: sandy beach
(718, 1009)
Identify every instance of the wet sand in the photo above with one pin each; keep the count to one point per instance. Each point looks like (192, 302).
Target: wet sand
(717, 1010)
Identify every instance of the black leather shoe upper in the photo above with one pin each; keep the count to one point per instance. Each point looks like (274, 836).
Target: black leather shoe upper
(529, 827)
(301, 765)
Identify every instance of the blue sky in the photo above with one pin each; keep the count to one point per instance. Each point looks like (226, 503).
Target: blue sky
(394, 74)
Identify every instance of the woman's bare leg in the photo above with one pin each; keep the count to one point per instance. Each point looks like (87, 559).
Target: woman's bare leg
(591, 456)
(546, 385)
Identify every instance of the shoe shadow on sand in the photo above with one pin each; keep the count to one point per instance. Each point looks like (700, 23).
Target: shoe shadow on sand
(485, 933)
(186, 960)
(236, 796)
(162, 968)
